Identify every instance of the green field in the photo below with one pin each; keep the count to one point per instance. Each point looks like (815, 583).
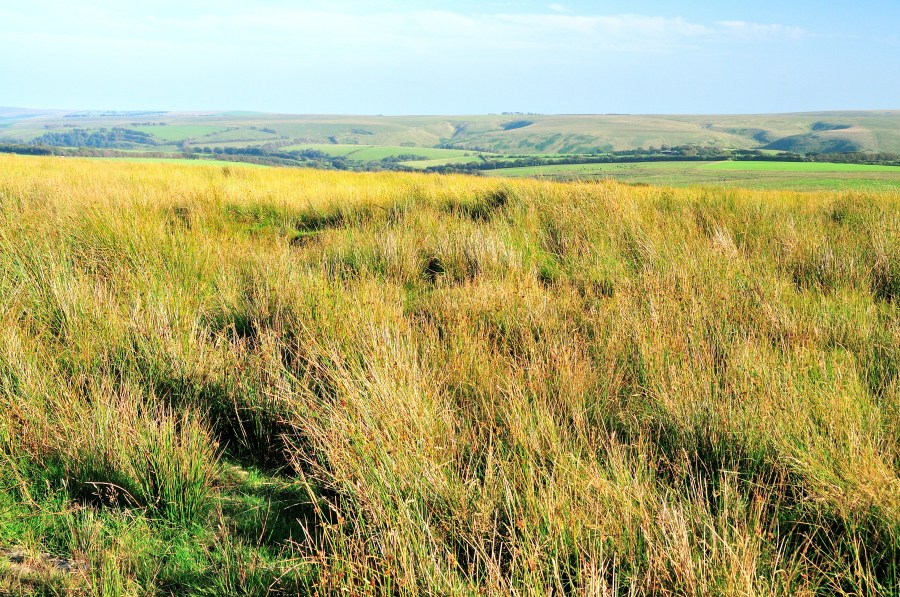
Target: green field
(251, 136)
(800, 167)
(366, 153)
(328, 149)
(430, 153)
(178, 133)
(422, 164)
(756, 175)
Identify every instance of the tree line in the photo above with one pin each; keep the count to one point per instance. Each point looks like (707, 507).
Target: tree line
(103, 143)
(115, 138)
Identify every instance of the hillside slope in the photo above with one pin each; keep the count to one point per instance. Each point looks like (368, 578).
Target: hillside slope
(531, 134)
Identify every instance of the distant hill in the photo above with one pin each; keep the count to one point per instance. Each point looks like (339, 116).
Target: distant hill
(499, 133)
(829, 138)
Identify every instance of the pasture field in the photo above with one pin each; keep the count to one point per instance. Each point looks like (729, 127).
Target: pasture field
(267, 381)
(755, 175)
(800, 167)
(176, 133)
(429, 153)
(373, 153)
(328, 149)
(249, 135)
(461, 159)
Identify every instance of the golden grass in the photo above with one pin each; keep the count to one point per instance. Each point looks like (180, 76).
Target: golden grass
(470, 386)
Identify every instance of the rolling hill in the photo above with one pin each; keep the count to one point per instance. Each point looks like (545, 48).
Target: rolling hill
(875, 131)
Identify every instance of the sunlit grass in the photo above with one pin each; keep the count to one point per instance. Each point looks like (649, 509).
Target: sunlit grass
(221, 380)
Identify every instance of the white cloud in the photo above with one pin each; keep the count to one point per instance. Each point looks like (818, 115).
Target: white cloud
(283, 32)
(437, 32)
(756, 31)
(628, 26)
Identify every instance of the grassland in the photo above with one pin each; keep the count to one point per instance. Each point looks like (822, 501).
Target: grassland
(175, 133)
(801, 167)
(423, 164)
(498, 133)
(366, 153)
(197, 162)
(454, 142)
(805, 176)
(219, 381)
(327, 148)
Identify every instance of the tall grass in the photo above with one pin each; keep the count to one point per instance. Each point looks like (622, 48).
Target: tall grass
(224, 381)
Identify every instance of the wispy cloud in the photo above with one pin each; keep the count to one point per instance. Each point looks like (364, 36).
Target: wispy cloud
(386, 30)
(758, 31)
(438, 55)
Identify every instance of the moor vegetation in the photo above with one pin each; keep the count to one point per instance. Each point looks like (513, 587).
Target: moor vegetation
(256, 381)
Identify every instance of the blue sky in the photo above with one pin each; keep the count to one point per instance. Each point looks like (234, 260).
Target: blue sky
(442, 57)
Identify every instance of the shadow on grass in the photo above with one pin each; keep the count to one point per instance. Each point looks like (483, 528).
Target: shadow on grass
(268, 510)
(266, 520)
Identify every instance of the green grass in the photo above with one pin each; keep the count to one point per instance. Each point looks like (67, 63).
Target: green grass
(801, 167)
(367, 153)
(548, 134)
(177, 133)
(240, 134)
(258, 381)
(461, 159)
(431, 153)
(328, 149)
(756, 175)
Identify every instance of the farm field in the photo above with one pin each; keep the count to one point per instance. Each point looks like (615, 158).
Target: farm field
(327, 148)
(221, 381)
(801, 167)
(757, 175)
(422, 164)
(367, 153)
(180, 132)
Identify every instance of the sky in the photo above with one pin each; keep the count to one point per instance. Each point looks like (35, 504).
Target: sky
(443, 57)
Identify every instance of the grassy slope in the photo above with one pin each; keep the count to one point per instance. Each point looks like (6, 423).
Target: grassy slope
(234, 381)
(873, 131)
(330, 149)
(548, 134)
(574, 134)
(179, 132)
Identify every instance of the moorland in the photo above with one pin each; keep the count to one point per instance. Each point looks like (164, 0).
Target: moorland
(218, 379)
